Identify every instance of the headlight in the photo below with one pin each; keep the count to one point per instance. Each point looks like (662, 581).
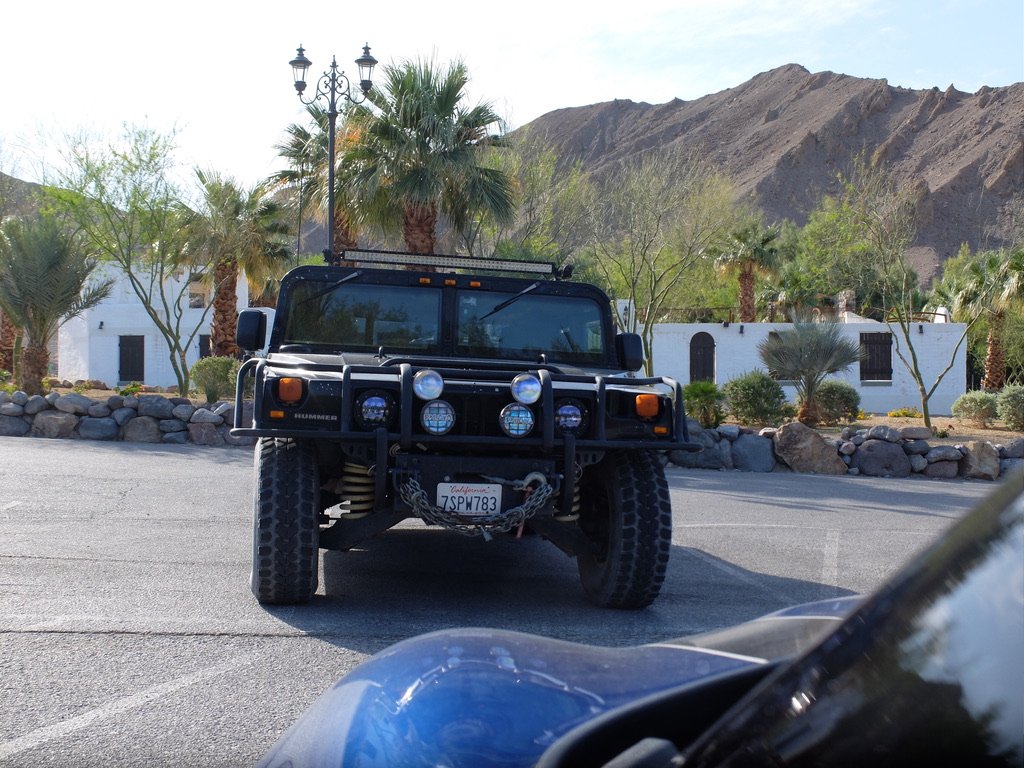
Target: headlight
(427, 384)
(526, 388)
(516, 420)
(437, 417)
(569, 416)
(374, 409)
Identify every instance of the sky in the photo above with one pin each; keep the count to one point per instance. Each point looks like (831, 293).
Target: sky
(216, 72)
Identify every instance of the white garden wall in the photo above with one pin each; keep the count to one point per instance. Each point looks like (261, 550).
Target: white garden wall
(735, 353)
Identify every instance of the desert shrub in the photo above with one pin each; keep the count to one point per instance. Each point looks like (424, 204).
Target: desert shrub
(704, 402)
(906, 412)
(129, 390)
(977, 407)
(756, 398)
(215, 377)
(1010, 407)
(837, 401)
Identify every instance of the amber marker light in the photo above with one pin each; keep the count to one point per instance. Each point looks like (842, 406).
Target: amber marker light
(289, 390)
(277, 414)
(647, 406)
(424, 281)
(449, 282)
(661, 430)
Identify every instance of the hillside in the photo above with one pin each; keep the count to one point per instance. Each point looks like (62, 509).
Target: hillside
(784, 134)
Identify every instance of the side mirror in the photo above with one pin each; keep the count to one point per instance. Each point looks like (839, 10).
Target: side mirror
(251, 331)
(630, 349)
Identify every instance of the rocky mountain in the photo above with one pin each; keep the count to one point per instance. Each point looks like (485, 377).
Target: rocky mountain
(784, 134)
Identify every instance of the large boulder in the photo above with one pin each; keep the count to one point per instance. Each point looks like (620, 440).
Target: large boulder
(753, 453)
(13, 426)
(143, 429)
(943, 453)
(915, 433)
(803, 450)
(205, 433)
(981, 461)
(98, 428)
(36, 404)
(157, 406)
(945, 470)
(884, 432)
(74, 403)
(881, 458)
(54, 424)
(1014, 449)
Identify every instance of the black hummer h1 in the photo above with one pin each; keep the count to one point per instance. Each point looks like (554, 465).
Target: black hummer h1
(471, 399)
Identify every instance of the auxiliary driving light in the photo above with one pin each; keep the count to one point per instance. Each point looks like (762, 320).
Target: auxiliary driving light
(516, 420)
(427, 384)
(373, 409)
(437, 417)
(569, 417)
(526, 388)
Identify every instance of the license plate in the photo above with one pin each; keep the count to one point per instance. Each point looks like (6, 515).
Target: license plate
(469, 498)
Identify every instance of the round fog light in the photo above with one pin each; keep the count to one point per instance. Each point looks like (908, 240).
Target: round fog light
(427, 384)
(569, 417)
(516, 420)
(437, 417)
(526, 388)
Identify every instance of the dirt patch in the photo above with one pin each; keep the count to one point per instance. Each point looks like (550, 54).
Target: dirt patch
(956, 430)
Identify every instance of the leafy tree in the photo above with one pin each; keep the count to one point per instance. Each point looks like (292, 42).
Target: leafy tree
(124, 202)
(749, 251)
(654, 222)
(989, 284)
(418, 154)
(552, 201)
(806, 354)
(44, 276)
(306, 179)
(239, 229)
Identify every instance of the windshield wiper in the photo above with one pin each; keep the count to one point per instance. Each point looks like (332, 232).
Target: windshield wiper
(510, 300)
(332, 286)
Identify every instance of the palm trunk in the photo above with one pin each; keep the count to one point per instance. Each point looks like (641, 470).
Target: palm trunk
(225, 313)
(35, 361)
(748, 311)
(8, 335)
(995, 357)
(418, 223)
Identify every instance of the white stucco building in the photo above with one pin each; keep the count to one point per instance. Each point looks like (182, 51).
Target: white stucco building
(722, 351)
(117, 342)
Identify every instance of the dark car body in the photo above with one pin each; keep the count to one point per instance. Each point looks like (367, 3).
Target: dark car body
(928, 671)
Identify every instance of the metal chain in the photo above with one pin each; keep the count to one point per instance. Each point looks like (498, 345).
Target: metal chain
(414, 495)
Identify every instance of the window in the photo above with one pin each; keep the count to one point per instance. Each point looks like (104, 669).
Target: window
(204, 345)
(196, 297)
(702, 357)
(876, 365)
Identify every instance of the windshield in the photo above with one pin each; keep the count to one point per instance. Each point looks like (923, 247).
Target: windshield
(357, 316)
(524, 325)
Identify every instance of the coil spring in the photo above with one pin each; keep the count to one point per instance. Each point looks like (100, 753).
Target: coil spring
(356, 488)
(575, 515)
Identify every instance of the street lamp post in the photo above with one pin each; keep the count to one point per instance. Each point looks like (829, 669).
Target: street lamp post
(332, 85)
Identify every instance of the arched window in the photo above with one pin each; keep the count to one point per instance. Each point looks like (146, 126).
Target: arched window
(702, 357)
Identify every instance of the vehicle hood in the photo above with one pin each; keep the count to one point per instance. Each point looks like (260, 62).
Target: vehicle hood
(485, 697)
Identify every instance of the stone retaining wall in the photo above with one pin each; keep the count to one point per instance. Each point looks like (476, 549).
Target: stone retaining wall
(141, 419)
(877, 452)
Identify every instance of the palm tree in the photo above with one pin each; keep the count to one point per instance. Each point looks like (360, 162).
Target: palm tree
(805, 355)
(43, 284)
(749, 252)
(8, 340)
(418, 154)
(306, 178)
(241, 229)
(990, 284)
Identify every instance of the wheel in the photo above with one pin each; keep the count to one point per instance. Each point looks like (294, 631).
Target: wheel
(626, 512)
(286, 530)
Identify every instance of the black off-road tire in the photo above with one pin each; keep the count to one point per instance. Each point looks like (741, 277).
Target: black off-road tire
(626, 512)
(286, 530)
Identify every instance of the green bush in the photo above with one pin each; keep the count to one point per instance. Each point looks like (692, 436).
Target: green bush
(704, 402)
(215, 377)
(756, 398)
(1010, 407)
(978, 407)
(837, 401)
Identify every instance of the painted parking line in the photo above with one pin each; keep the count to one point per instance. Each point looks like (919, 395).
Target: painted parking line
(41, 736)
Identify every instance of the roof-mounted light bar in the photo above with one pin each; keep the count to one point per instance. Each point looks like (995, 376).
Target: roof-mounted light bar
(451, 262)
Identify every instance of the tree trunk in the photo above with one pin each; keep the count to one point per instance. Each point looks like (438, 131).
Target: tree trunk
(35, 361)
(418, 223)
(748, 311)
(8, 335)
(344, 233)
(995, 357)
(225, 313)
